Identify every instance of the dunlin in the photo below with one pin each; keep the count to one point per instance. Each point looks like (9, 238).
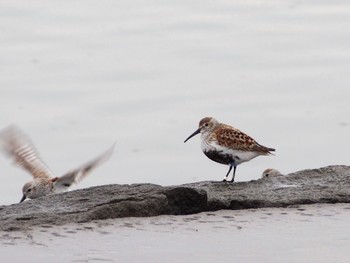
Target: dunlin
(19, 147)
(227, 145)
(270, 173)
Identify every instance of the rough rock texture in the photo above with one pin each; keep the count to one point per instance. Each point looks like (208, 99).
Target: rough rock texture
(325, 185)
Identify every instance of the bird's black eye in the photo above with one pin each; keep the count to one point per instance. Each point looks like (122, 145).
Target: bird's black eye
(29, 190)
(206, 125)
(267, 175)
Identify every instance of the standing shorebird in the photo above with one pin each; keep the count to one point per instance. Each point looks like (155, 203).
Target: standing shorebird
(227, 145)
(19, 147)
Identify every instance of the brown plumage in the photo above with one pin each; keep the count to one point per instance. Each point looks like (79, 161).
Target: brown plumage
(233, 138)
(225, 144)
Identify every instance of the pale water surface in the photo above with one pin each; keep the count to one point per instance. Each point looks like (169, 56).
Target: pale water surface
(80, 75)
(314, 233)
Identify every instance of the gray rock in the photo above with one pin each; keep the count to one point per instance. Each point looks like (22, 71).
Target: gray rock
(325, 185)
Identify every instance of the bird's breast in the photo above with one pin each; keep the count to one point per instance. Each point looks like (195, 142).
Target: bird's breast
(219, 157)
(225, 155)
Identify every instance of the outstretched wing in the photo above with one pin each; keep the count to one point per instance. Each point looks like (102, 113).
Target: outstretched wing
(19, 147)
(75, 176)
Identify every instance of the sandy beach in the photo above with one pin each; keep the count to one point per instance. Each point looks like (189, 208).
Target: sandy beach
(308, 233)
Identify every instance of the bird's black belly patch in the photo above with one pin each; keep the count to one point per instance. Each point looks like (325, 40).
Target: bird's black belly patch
(220, 157)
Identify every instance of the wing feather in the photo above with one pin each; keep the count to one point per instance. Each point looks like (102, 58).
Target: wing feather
(75, 176)
(19, 147)
(235, 139)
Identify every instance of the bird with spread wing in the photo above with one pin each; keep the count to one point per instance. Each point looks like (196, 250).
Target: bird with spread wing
(19, 147)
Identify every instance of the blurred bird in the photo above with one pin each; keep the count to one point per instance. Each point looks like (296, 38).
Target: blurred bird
(19, 147)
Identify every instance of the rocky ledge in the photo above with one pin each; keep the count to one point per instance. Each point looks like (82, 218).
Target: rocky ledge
(325, 185)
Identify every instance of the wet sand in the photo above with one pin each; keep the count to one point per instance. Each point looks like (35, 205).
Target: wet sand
(309, 233)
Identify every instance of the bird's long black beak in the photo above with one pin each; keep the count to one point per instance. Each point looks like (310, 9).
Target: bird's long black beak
(193, 134)
(23, 198)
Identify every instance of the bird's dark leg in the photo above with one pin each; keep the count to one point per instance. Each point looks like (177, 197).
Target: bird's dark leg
(229, 170)
(234, 173)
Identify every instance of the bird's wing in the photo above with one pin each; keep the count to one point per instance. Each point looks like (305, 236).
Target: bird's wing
(235, 139)
(19, 147)
(75, 176)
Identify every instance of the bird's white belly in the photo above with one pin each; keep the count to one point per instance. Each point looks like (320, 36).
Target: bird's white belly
(238, 155)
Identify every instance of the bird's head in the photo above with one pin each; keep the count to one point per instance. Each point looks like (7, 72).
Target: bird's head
(29, 190)
(206, 125)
